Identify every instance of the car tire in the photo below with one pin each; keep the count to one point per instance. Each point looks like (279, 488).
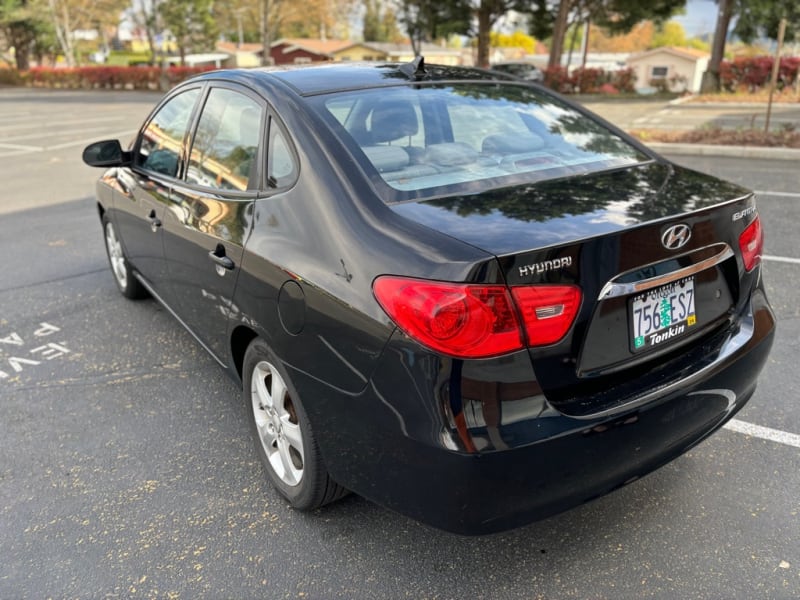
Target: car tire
(128, 285)
(282, 433)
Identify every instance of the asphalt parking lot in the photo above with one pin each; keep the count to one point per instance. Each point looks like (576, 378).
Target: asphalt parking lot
(127, 471)
(684, 116)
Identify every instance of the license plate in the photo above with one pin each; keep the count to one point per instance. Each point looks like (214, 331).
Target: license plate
(662, 314)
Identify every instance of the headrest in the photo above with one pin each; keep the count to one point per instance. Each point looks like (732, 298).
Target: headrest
(513, 143)
(393, 119)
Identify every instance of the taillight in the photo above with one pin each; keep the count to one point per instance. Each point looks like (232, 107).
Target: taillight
(477, 321)
(465, 321)
(752, 244)
(548, 311)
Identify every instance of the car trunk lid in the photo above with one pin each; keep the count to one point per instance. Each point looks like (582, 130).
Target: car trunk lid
(655, 252)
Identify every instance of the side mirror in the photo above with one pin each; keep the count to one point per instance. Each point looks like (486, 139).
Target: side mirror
(108, 153)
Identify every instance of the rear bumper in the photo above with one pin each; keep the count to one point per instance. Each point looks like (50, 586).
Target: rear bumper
(421, 465)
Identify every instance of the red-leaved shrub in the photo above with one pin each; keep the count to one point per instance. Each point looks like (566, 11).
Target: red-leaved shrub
(754, 73)
(102, 77)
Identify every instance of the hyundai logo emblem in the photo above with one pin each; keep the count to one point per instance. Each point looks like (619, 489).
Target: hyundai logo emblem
(676, 236)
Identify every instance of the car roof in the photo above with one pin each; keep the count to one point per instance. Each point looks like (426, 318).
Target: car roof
(331, 77)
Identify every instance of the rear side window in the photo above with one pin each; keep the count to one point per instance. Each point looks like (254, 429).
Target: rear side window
(225, 145)
(161, 141)
(281, 165)
(424, 141)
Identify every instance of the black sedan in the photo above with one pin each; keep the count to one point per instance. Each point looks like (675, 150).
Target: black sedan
(449, 291)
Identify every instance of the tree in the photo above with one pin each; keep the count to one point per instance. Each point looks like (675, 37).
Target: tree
(22, 23)
(549, 18)
(710, 82)
(753, 18)
(670, 33)
(427, 20)
(191, 23)
(380, 23)
(146, 16)
(68, 15)
(762, 17)
(372, 21)
(315, 18)
(238, 20)
(638, 39)
(488, 12)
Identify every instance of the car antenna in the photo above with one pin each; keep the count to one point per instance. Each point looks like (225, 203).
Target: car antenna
(414, 69)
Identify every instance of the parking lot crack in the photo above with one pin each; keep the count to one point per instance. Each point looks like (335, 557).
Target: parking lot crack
(37, 284)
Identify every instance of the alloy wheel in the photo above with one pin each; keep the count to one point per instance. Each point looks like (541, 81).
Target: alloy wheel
(277, 424)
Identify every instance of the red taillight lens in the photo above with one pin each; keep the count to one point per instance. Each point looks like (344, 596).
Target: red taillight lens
(548, 311)
(477, 321)
(752, 244)
(464, 321)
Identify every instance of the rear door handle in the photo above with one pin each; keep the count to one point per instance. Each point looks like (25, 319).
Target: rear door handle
(218, 256)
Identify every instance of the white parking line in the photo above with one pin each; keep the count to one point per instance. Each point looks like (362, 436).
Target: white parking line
(783, 259)
(780, 194)
(764, 433)
(17, 149)
(90, 140)
(21, 147)
(51, 125)
(51, 134)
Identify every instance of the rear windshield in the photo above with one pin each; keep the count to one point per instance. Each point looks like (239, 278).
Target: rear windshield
(426, 141)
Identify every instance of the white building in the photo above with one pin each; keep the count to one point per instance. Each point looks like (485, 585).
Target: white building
(680, 69)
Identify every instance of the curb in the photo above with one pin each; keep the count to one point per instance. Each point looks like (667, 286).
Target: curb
(723, 105)
(762, 152)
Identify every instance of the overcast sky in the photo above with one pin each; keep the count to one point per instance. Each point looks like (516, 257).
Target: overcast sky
(700, 17)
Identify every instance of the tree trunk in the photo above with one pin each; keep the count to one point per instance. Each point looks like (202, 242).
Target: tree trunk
(21, 40)
(711, 83)
(63, 30)
(484, 31)
(559, 33)
(266, 56)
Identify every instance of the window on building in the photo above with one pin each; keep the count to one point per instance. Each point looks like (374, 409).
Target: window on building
(658, 72)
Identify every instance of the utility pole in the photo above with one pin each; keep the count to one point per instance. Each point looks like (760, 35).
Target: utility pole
(266, 56)
(776, 65)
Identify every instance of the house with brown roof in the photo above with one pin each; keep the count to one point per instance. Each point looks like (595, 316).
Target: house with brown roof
(241, 55)
(288, 51)
(679, 69)
(386, 51)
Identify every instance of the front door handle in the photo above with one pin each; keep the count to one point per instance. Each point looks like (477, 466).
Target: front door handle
(218, 256)
(155, 222)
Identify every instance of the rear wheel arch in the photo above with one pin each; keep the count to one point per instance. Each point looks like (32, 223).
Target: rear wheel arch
(282, 432)
(240, 340)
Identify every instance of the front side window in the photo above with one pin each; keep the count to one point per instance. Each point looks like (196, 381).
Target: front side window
(161, 141)
(425, 141)
(226, 141)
